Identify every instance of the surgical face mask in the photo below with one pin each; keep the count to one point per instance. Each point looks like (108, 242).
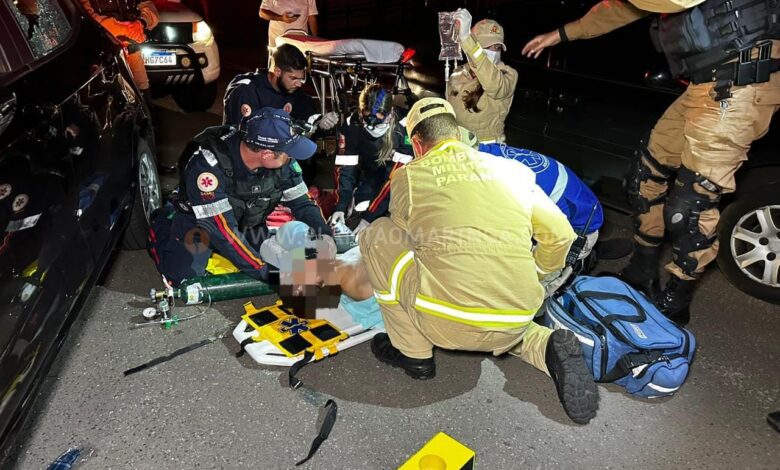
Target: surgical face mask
(376, 126)
(378, 131)
(494, 56)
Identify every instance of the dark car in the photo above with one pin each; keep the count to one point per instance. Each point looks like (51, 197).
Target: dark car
(77, 167)
(589, 103)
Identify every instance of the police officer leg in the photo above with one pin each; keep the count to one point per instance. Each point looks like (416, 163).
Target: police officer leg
(647, 183)
(389, 261)
(692, 195)
(718, 136)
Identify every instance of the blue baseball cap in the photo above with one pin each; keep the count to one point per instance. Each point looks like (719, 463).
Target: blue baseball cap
(270, 128)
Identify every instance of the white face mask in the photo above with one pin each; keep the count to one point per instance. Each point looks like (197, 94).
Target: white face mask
(494, 56)
(378, 130)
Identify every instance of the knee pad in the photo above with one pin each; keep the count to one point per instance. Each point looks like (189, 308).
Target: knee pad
(640, 170)
(681, 216)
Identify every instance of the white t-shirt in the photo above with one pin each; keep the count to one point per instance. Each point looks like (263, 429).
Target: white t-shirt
(305, 8)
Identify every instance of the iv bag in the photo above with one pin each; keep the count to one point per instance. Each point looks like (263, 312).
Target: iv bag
(450, 48)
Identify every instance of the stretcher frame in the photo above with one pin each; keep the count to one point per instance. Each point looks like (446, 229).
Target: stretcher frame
(339, 77)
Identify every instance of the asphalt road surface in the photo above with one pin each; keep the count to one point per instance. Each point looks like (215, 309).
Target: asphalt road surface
(209, 409)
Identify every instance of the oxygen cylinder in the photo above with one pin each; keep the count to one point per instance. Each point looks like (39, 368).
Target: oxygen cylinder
(214, 288)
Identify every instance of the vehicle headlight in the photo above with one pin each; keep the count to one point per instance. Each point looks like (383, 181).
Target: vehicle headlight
(170, 33)
(201, 32)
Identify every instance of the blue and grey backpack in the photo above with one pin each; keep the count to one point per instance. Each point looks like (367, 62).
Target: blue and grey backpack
(624, 338)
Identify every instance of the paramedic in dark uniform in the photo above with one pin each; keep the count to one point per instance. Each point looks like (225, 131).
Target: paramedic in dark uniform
(279, 87)
(372, 146)
(231, 179)
(700, 142)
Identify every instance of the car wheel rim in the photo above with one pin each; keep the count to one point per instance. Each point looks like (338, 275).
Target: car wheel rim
(755, 245)
(149, 184)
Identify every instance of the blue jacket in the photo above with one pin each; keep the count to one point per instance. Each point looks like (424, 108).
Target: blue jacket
(565, 188)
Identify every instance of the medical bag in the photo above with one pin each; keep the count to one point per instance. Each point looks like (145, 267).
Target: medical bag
(624, 338)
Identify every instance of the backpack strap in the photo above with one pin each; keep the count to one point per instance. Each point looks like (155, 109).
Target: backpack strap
(628, 362)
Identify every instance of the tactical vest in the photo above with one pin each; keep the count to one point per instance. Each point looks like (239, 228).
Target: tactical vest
(122, 10)
(251, 201)
(714, 32)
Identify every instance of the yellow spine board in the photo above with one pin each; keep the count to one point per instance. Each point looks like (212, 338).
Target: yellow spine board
(290, 334)
(442, 452)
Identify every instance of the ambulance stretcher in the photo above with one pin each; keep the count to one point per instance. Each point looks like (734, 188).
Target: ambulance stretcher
(343, 67)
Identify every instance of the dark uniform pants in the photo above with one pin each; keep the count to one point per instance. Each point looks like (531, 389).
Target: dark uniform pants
(179, 248)
(711, 138)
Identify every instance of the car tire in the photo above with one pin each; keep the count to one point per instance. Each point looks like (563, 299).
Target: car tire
(148, 197)
(751, 224)
(194, 99)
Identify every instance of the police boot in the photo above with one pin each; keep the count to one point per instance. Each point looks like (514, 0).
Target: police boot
(421, 369)
(675, 300)
(642, 270)
(573, 379)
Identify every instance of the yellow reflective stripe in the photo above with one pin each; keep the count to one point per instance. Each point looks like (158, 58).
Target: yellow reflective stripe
(385, 302)
(474, 316)
(400, 266)
(478, 324)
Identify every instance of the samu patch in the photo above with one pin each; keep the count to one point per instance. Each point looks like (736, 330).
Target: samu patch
(20, 202)
(207, 182)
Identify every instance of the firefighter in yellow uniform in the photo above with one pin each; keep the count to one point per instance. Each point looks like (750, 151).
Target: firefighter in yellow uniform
(699, 143)
(481, 90)
(453, 266)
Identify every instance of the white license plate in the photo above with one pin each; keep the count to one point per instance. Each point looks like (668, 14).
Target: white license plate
(159, 58)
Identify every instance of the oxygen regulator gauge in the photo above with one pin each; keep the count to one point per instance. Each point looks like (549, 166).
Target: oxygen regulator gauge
(150, 313)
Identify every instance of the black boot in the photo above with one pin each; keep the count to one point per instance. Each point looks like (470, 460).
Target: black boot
(675, 300)
(642, 270)
(573, 379)
(420, 369)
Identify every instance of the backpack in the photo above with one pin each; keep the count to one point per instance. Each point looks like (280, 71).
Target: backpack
(624, 338)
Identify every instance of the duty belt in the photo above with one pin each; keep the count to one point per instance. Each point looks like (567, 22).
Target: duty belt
(742, 72)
